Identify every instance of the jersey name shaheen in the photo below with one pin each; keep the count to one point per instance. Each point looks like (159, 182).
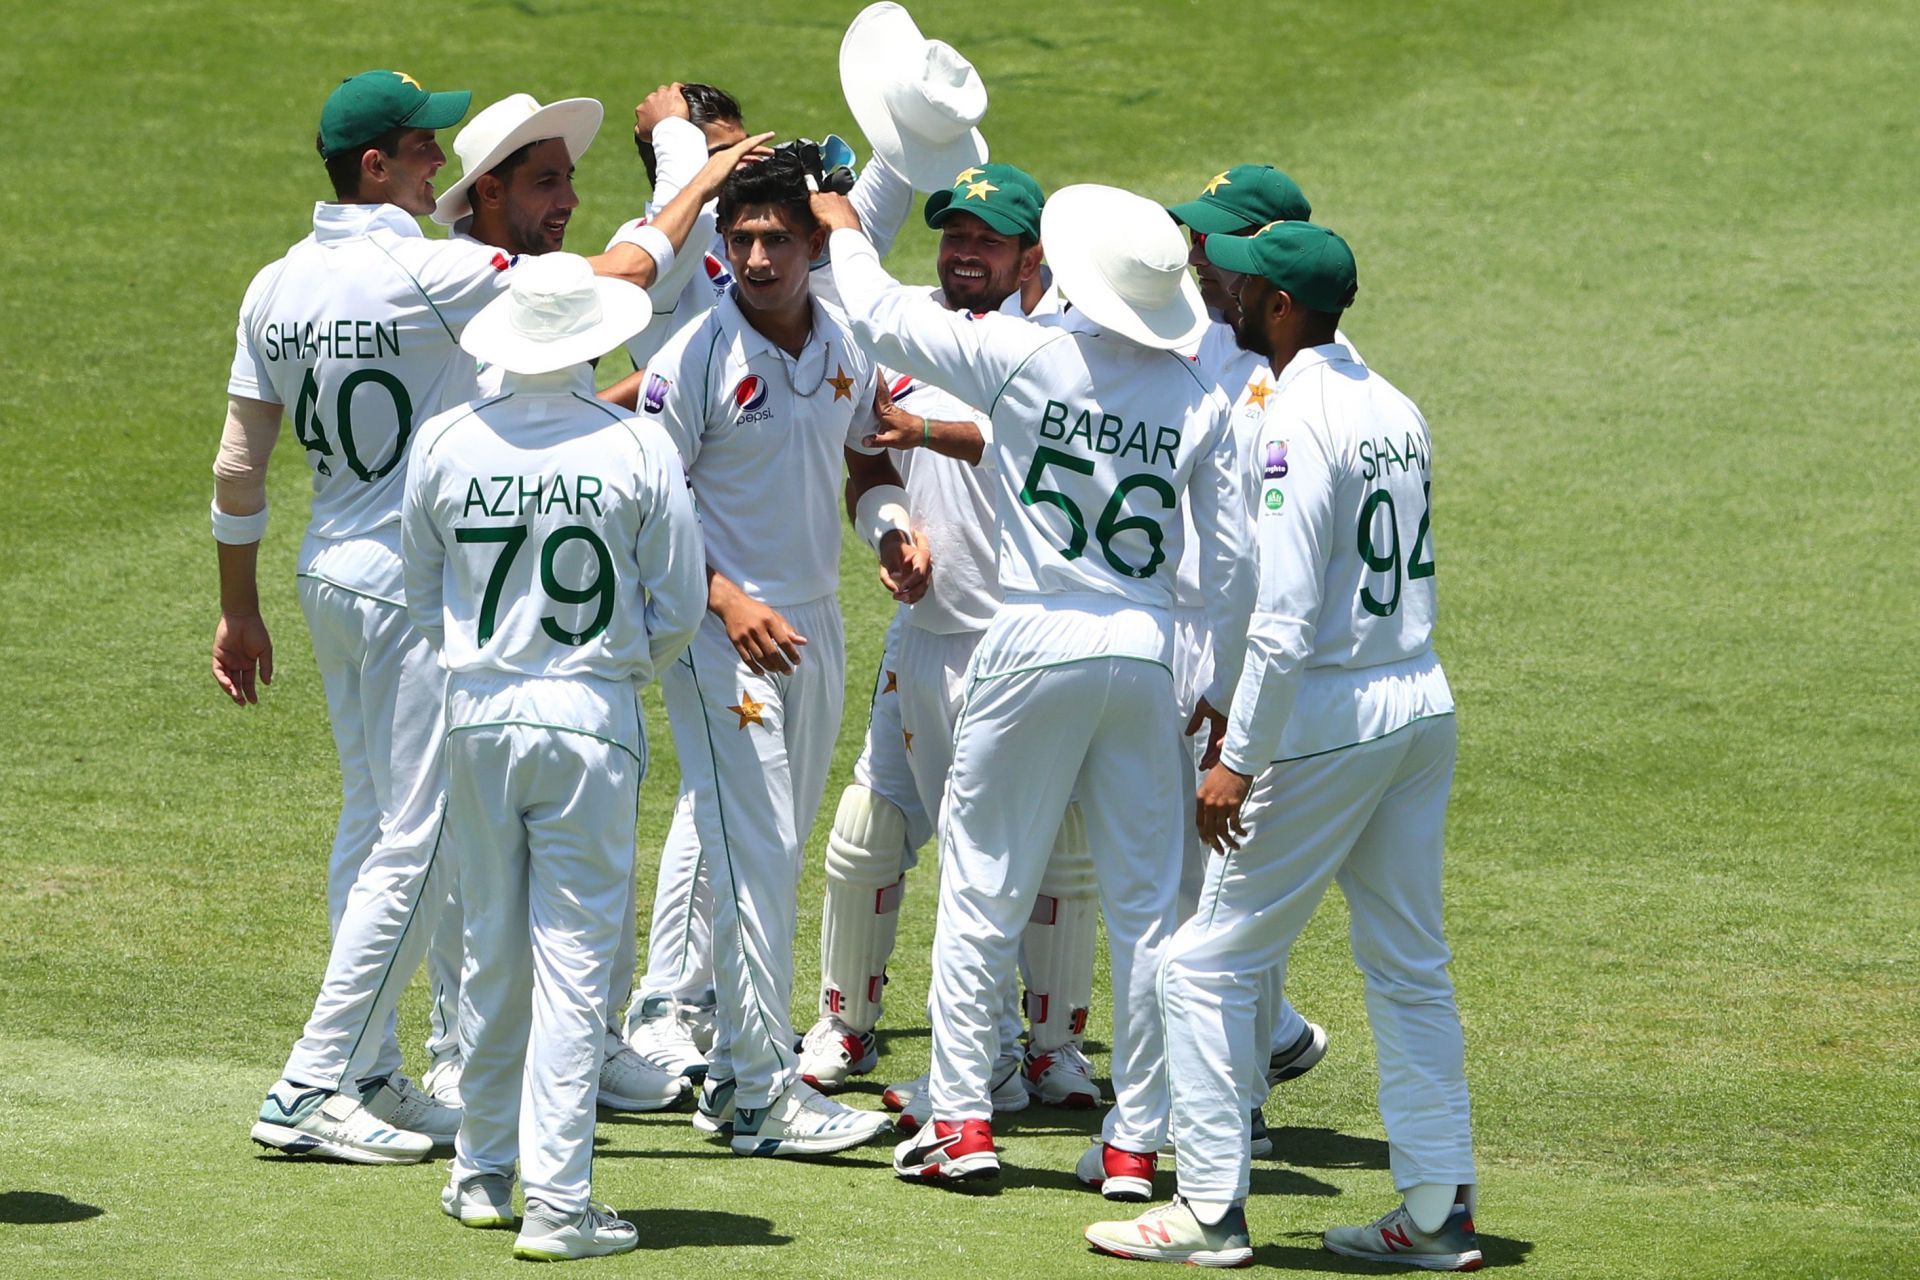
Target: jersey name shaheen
(356, 331)
(761, 434)
(1096, 445)
(547, 533)
(1340, 646)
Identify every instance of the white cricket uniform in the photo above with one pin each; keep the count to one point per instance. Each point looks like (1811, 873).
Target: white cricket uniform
(1344, 715)
(1094, 442)
(356, 329)
(762, 434)
(553, 558)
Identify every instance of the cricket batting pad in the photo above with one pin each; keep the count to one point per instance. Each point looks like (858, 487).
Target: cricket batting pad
(862, 909)
(1059, 940)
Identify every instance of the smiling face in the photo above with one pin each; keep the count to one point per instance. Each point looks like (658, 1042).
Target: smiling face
(979, 267)
(770, 253)
(1217, 286)
(529, 200)
(405, 178)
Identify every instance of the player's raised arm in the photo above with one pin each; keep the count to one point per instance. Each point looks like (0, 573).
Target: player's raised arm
(242, 647)
(648, 255)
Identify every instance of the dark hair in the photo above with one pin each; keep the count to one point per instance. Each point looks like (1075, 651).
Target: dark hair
(503, 172)
(704, 104)
(1027, 240)
(779, 181)
(343, 167)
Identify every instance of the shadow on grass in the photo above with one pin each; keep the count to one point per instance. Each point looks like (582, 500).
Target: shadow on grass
(695, 1228)
(42, 1208)
(1302, 1251)
(1266, 1182)
(877, 1157)
(1326, 1148)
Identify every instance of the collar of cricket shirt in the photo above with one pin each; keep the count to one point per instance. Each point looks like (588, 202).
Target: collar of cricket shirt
(805, 372)
(1310, 358)
(333, 221)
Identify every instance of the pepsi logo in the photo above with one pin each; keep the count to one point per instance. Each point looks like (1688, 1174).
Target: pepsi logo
(750, 393)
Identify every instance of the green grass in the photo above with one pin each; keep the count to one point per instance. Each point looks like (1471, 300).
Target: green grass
(1648, 269)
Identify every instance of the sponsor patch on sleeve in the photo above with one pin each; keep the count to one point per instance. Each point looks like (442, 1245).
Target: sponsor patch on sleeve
(501, 261)
(655, 397)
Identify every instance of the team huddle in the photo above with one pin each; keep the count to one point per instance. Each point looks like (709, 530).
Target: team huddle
(1162, 654)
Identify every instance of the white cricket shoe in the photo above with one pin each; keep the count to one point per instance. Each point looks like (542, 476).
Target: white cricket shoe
(548, 1235)
(668, 1033)
(1007, 1090)
(803, 1122)
(398, 1101)
(442, 1082)
(485, 1200)
(833, 1053)
(1062, 1078)
(713, 1109)
(628, 1082)
(1295, 1060)
(307, 1121)
(1393, 1238)
(1170, 1233)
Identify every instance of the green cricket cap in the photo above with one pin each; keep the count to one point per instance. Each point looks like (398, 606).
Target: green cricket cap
(1305, 259)
(367, 105)
(1005, 198)
(1247, 195)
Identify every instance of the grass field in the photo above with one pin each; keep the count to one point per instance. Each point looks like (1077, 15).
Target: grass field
(1649, 269)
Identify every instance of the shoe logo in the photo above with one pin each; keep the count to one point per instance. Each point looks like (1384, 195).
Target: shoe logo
(1151, 1231)
(300, 1100)
(1394, 1236)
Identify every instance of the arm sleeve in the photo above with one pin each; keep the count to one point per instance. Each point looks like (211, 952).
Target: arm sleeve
(672, 557)
(864, 422)
(246, 443)
(1228, 575)
(883, 199)
(674, 393)
(905, 329)
(1294, 541)
(679, 153)
(422, 552)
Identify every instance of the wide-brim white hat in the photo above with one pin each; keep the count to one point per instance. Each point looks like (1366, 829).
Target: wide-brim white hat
(916, 99)
(1120, 259)
(506, 126)
(554, 314)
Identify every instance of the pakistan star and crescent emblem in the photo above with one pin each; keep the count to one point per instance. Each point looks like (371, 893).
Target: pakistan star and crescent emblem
(842, 385)
(893, 683)
(1220, 180)
(748, 710)
(979, 190)
(908, 737)
(1257, 392)
(407, 79)
(965, 176)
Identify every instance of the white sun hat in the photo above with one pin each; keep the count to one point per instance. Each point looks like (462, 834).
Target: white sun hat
(506, 126)
(555, 313)
(916, 99)
(1121, 260)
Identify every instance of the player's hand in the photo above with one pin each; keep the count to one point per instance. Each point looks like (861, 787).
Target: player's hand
(713, 174)
(667, 100)
(762, 637)
(898, 428)
(1216, 807)
(906, 565)
(242, 650)
(1216, 722)
(835, 212)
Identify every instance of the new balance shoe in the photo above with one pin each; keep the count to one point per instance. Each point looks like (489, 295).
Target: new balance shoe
(442, 1082)
(667, 1033)
(1299, 1057)
(1171, 1233)
(1007, 1089)
(1062, 1078)
(548, 1235)
(833, 1053)
(300, 1120)
(713, 1109)
(628, 1082)
(485, 1200)
(1394, 1238)
(948, 1151)
(802, 1122)
(1117, 1174)
(398, 1101)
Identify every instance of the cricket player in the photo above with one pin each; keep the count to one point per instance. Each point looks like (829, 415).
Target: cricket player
(764, 397)
(356, 328)
(1336, 767)
(516, 194)
(989, 260)
(553, 559)
(1100, 434)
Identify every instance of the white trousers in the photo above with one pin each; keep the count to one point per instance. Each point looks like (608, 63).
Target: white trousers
(754, 754)
(384, 689)
(1029, 742)
(1369, 817)
(543, 811)
(680, 934)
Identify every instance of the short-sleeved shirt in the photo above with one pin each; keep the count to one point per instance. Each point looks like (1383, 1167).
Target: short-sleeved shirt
(761, 433)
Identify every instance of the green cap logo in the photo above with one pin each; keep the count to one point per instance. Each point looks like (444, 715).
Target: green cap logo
(1003, 197)
(1241, 197)
(373, 102)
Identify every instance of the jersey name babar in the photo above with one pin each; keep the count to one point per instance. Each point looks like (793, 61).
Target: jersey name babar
(1108, 433)
(532, 495)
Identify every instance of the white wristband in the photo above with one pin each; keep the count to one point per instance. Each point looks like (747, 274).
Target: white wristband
(238, 530)
(881, 510)
(658, 247)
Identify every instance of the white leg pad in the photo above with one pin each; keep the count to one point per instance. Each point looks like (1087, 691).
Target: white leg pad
(861, 914)
(1059, 940)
